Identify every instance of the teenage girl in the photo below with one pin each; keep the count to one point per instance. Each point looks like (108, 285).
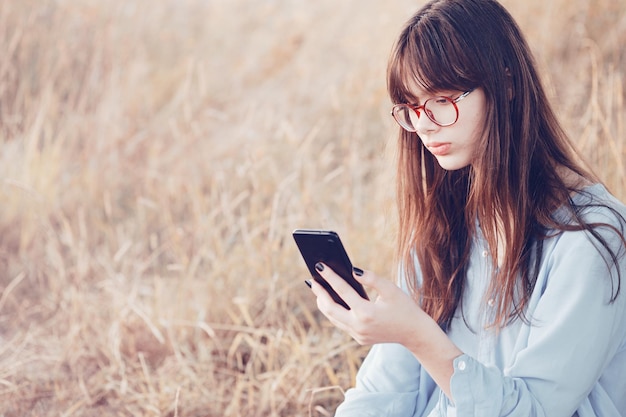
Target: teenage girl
(510, 298)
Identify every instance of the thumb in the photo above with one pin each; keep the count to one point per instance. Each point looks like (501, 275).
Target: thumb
(371, 280)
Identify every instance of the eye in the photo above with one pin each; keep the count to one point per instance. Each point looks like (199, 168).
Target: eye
(412, 101)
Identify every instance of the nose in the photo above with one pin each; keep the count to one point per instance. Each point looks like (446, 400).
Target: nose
(423, 124)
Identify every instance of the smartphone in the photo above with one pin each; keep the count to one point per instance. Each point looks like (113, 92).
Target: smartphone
(325, 246)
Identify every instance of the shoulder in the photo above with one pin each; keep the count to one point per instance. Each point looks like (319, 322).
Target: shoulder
(595, 249)
(596, 206)
(594, 224)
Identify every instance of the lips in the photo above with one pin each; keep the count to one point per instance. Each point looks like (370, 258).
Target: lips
(438, 149)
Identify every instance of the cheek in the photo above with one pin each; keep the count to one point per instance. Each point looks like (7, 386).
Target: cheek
(476, 125)
(473, 133)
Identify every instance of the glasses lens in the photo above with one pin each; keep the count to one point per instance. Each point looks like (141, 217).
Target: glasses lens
(405, 116)
(441, 110)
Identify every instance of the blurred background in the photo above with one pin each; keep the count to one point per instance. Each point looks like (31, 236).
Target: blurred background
(156, 156)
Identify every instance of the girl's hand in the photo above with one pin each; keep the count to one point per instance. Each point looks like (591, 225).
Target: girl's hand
(393, 317)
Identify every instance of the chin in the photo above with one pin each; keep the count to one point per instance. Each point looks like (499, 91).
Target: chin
(452, 165)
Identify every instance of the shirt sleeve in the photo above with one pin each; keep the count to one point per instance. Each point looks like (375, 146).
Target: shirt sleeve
(390, 382)
(575, 331)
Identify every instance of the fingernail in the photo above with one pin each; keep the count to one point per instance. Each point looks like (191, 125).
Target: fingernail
(319, 266)
(308, 283)
(358, 271)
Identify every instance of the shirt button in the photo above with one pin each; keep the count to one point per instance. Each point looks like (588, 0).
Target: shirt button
(461, 365)
(491, 302)
(485, 254)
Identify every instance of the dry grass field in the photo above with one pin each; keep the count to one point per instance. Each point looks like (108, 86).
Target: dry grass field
(156, 156)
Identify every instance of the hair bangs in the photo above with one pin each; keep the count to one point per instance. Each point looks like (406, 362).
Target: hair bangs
(432, 55)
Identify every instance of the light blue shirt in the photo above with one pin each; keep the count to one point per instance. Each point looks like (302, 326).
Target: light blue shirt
(570, 360)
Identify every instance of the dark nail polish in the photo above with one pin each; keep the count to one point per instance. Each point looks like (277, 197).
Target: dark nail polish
(308, 283)
(319, 266)
(358, 271)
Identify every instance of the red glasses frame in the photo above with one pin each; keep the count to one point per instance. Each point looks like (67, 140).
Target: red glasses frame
(422, 107)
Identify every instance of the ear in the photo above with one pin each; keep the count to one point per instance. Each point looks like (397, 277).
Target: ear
(510, 93)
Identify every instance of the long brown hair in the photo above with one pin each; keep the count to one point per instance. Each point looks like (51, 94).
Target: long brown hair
(513, 187)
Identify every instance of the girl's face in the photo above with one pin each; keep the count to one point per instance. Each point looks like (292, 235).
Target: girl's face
(454, 146)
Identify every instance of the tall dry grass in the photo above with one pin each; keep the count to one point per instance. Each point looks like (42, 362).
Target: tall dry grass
(157, 155)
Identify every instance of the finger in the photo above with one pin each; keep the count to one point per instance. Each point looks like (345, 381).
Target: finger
(341, 287)
(371, 280)
(318, 290)
(335, 312)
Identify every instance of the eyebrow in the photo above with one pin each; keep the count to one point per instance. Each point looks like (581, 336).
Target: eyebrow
(414, 100)
(411, 99)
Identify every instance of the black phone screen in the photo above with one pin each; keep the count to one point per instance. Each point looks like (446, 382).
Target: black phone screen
(326, 246)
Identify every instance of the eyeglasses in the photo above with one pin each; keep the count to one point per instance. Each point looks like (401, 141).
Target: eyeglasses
(442, 111)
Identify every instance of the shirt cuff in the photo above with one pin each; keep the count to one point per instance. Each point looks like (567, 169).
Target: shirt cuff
(474, 387)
